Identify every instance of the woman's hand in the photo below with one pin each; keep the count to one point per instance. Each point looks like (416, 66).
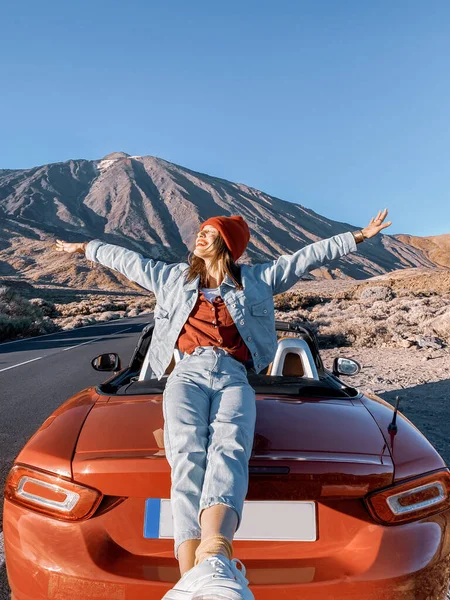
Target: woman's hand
(376, 224)
(61, 246)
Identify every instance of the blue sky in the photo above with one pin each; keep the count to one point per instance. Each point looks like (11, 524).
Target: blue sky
(339, 106)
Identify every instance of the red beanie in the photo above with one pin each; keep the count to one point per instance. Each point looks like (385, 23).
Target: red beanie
(235, 233)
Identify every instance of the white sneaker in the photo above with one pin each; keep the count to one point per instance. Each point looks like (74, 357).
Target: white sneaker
(215, 578)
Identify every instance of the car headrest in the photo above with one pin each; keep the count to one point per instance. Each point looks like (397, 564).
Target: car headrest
(293, 365)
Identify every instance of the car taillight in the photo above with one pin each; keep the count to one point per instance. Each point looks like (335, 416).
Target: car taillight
(411, 500)
(51, 494)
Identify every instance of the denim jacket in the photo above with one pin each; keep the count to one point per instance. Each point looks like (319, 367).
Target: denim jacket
(252, 308)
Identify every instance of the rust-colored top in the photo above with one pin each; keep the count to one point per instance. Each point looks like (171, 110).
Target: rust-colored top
(210, 324)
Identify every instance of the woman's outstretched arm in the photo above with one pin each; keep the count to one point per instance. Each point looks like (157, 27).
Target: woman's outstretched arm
(148, 273)
(283, 273)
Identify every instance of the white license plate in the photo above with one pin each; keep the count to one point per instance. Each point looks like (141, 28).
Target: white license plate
(261, 520)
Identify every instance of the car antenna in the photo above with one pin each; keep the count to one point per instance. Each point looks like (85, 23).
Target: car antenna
(392, 428)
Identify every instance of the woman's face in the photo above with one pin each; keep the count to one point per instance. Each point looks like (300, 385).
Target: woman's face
(204, 242)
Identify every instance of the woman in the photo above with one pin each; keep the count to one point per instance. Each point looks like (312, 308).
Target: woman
(221, 316)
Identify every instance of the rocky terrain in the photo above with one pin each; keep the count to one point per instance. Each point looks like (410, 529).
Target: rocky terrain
(409, 308)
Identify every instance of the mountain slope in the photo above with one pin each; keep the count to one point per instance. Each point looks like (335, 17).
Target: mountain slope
(435, 247)
(156, 207)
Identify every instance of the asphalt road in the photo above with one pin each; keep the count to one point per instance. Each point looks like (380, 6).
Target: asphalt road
(38, 374)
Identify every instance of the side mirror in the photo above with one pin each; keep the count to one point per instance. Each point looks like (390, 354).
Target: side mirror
(106, 362)
(346, 366)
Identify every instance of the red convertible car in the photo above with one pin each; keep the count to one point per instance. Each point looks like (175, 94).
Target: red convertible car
(347, 499)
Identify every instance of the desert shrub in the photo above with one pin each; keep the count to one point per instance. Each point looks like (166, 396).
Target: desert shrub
(12, 327)
(42, 327)
(107, 306)
(76, 308)
(424, 293)
(47, 308)
(109, 316)
(13, 305)
(20, 317)
(296, 300)
(143, 304)
(337, 339)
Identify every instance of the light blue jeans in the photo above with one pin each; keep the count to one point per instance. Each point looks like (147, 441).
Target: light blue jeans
(209, 423)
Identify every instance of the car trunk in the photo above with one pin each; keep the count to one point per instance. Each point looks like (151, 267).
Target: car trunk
(304, 448)
(328, 451)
